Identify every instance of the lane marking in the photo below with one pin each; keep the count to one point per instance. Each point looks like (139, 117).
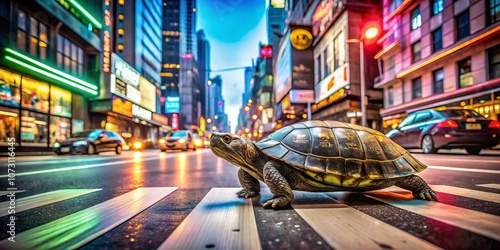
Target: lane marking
(487, 171)
(39, 200)
(470, 193)
(76, 230)
(220, 221)
(45, 171)
(492, 185)
(2, 193)
(477, 222)
(351, 228)
(465, 159)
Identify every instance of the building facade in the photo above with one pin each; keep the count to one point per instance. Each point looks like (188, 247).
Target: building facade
(439, 53)
(189, 93)
(338, 28)
(49, 70)
(203, 70)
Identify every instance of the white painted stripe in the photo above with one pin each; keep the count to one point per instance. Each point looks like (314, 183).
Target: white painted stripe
(487, 171)
(2, 193)
(458, 158)
(76, 230)
(477, 222)
(113, 163)
(475, 194)
(492, 185)
(220, 221)
(344, 227)
(39, 200)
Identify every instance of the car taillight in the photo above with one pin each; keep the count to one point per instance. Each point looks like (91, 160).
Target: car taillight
(494, 124)
(447, 124)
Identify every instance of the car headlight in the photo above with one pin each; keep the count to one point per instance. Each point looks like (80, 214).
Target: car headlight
(182, 140)
(57, 145)
(198, 142)
(137, 144)
(162, 141)
(80, 143)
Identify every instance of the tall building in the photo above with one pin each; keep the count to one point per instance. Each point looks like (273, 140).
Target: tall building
(189, 93)
(276, 17)
(49, 70)
(438, 54)
(131, 62)
(203, 70)
(188, 35)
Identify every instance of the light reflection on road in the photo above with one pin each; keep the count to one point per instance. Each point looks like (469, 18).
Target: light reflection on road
(181, 165)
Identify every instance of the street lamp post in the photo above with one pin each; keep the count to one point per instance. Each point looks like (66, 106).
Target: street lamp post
(369, 34)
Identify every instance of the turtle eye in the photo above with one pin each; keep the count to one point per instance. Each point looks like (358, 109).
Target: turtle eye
(227, 139)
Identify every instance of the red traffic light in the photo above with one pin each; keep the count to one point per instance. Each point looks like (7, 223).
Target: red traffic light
(371, 32)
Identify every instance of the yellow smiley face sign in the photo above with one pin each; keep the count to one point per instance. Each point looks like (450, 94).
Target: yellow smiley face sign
(301, 39)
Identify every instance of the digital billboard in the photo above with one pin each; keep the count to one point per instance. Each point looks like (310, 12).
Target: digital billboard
(172, 104)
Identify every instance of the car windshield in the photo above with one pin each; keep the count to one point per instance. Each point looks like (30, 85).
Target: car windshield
(179, 134)
(460, 113)
(90, 134)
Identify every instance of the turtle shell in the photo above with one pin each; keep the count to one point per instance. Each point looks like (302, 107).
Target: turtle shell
(340, 154)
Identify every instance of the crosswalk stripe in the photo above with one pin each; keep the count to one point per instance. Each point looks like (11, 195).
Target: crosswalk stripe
(39, 200)
(76, 230)
(221, 221)
(2, 193)
(492, 185)
(344, 227)
(476, 194)
(477, 222)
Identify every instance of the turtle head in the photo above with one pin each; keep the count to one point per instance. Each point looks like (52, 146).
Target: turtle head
(233, 148)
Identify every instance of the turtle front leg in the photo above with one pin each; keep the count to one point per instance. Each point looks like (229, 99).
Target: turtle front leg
(418, 186)
(251, 186)
(279, 186)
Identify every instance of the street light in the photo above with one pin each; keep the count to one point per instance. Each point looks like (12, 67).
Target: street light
(369, 33)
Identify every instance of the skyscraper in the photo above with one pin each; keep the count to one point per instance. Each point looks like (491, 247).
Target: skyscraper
(188, 36)
(203, 70)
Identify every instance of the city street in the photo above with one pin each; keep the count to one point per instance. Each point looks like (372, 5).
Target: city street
(186, 200)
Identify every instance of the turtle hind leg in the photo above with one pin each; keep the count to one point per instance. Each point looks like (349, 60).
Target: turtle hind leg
(418, 186)
(278, 184)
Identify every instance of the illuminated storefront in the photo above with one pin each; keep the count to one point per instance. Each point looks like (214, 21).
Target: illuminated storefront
(36, 113)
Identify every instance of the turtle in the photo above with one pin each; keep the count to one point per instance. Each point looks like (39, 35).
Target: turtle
(320, 156)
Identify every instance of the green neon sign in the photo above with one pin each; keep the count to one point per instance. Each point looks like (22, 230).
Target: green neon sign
(51, 69)
(86, 13)
(48, 74)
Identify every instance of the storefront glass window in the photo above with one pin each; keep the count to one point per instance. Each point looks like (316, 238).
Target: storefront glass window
(465, 73)
(60, 102)
(35, 95)
(8, 125)
(59, 129)
(34, 129)
(9, 88)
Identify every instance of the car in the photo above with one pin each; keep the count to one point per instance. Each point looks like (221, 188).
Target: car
(91, 142)
(199, 141)
(446, 128)
(180, 139)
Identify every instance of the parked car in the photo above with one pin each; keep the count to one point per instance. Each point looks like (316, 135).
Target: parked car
(91, 142)
(181, 139)
(435, 129)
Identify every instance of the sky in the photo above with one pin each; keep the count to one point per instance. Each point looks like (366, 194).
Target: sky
(234, 29)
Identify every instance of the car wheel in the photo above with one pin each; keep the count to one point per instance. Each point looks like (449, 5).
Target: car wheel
(91, 149)
(59, 153)
(118, 150)
(428, 145)
(473, 150)
(163, 150)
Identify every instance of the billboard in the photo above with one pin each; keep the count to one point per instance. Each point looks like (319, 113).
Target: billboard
(124, 71)
(332, 83)
(302, 58)
(283, 80)
(172, 104)
(148, 94)
(266, 51)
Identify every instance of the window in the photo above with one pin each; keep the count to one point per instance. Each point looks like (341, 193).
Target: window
(34, 129)
(60, 102)
(437, 6)
(390, 97)
(59, 129)
(438, 79)
(10, 91)
(463, 24)
(407, 121)
(423, 117)
(21, 30)
(437, 39)
(8, 124)
(416, 88)
(38, 39)
(465, 73)
(416, 51)
(494, 62)
(494, 13)
(329, 58)
(339, 50)
(416, 18)
(35, 95)
(70, 57)
(390, 64)
(325, 65)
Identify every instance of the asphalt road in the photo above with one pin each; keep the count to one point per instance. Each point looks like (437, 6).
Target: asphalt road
(185, 200)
